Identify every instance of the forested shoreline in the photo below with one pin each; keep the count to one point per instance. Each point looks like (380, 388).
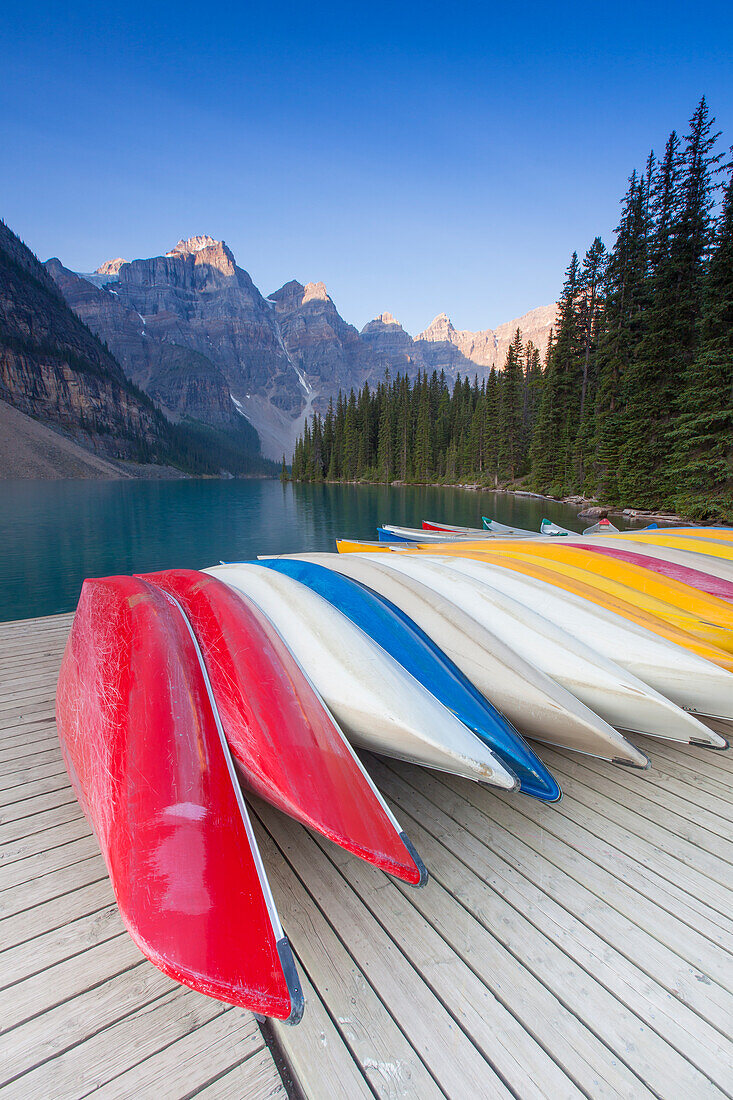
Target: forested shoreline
(633, 403)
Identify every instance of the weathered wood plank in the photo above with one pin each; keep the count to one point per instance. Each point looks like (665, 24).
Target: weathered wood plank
(81, 899)
(481, 1024)
(59, 1028)
(365, 1024)
(473, 866)
(255, 1079)
(35, 956)
(192, 1061)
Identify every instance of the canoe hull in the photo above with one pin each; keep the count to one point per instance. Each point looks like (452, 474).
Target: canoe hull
(399, 636)
(612, 692)
(286, 745)
(149, 764)
(536, 706)
(377, 704)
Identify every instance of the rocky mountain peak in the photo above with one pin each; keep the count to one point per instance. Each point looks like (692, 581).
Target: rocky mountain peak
(205, 250)
(194, 244)
(110, 267)
(380, 322)
(315, 290)
(440, 328)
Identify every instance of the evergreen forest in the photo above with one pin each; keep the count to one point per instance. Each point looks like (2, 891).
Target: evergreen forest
(633, 402)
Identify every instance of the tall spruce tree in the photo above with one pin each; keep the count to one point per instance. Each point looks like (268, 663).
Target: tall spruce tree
(626, 294)
(703, 436)
(590, 315)
(681, 209)
(552, 450)
(511, 399)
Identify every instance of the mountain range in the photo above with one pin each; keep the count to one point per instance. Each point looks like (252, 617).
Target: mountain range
(67, 407)
(192, 331)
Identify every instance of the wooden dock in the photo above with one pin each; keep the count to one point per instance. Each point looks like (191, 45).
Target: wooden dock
(581, 949)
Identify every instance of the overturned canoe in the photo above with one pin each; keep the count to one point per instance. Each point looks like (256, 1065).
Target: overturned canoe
(603, 527)
(615, 694)
(390, 533)
(582, 585)
(420, 656)
(690, 559)
(703, 616)
(287, 747)
(696, 578)
(378, 705)
(689, 681)
(394, 534)
(537, 706)
(358, 546)
(149, 763)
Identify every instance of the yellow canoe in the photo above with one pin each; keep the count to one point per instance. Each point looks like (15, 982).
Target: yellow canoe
(689, 532)
(701, 604)
(353, 546)
(707, 617)
(623, 601)
(713, 547)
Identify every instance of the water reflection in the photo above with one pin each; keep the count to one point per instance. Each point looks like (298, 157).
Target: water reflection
(55, 533)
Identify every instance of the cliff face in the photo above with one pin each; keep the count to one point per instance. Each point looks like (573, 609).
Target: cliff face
(389, 342)
(443, 347)
(183, 381)
(325, 351)
(53, 368)
(198, 298)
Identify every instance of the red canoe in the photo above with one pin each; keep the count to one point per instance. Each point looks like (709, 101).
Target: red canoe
(698, 578)
(286, 745)
(150, 766)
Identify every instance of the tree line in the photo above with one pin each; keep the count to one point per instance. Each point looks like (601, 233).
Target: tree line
(634, 400)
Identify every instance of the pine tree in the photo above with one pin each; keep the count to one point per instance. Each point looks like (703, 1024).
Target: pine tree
(284, 472)
(350, 461)
(626, 293)
(590, 312)
(422, 451)
(510, 410)
(703, 466)
(552, 449)
(681, 206)
(385, 432)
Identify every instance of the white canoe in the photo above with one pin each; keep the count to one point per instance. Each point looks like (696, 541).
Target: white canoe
(604, 526)
(493, 527)
(536, 705)
(451, 529)
(624, 700)
(547, 527)
(675, 672)
(418, 534)
(376, 702)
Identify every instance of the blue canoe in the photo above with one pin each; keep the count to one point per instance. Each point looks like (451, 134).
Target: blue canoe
(389, 536)
(396, 633)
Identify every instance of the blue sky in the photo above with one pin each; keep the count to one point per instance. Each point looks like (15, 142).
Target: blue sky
(415, 157)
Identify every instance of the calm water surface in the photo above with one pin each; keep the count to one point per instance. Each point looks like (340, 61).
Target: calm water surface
(53, 534)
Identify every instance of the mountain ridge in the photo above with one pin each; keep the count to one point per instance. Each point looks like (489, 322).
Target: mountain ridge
(272, 359)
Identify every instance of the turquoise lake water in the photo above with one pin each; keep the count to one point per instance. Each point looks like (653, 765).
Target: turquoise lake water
(53, 534)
